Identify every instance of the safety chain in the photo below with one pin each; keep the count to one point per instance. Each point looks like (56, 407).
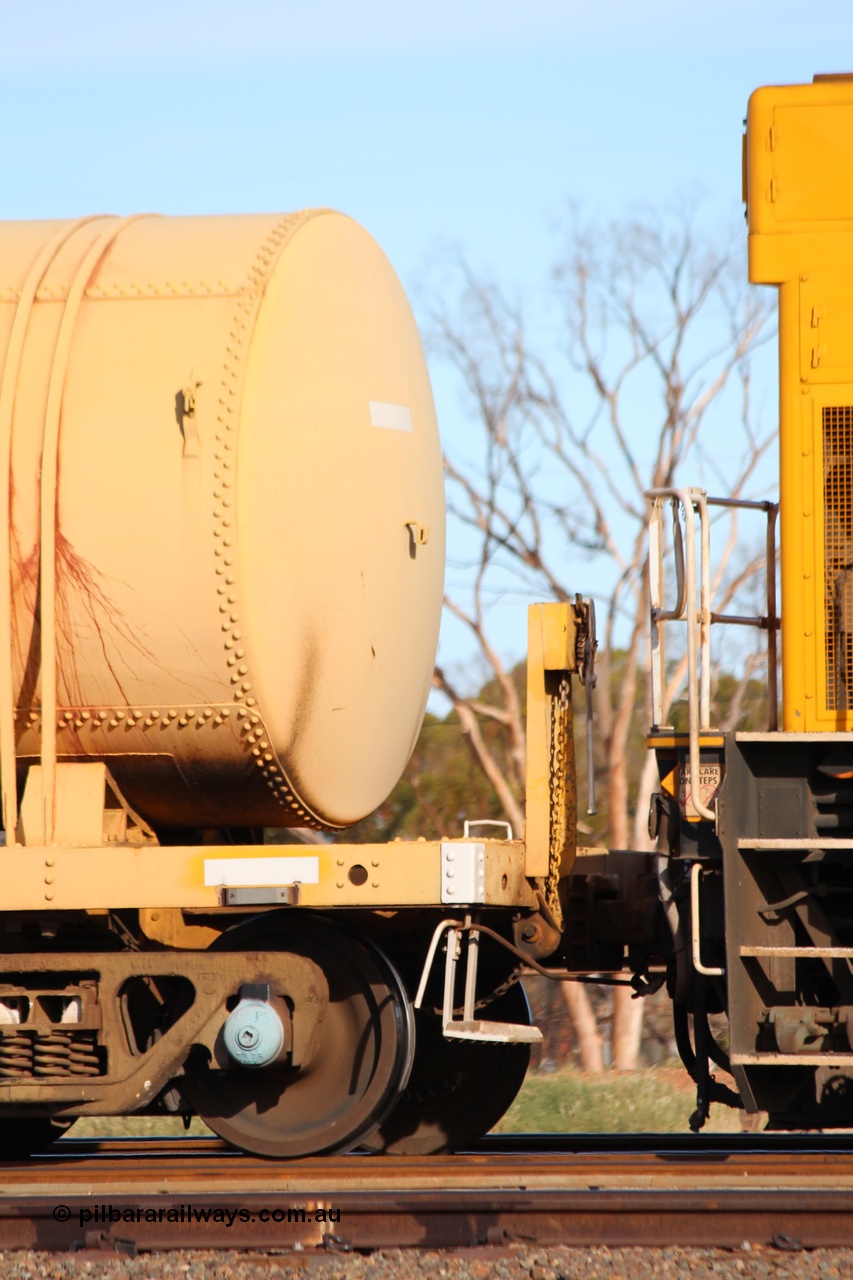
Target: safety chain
(501, 989)
(489, 997)
(561, 826)
(515, 975)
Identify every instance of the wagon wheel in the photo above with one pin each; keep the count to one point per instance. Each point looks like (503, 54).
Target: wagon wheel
(458, 1089)
(361, 1064)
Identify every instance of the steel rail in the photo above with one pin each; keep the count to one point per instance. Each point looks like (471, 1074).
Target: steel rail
(431, 1220)
(156, 1195)
(699, 1145)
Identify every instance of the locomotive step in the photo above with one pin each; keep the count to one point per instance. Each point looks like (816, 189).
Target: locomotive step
(496, 1032)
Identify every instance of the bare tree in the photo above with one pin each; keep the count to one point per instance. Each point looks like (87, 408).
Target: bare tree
(546, 484)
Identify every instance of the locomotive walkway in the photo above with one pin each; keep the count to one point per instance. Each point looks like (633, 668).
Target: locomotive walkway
(159, 1194)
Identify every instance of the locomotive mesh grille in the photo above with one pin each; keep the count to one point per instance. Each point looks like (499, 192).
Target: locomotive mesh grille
(838, 554)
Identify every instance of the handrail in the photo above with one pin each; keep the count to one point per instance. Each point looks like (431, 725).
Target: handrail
(707, 971)
(695, 501)
(698, 687)
(770, 621)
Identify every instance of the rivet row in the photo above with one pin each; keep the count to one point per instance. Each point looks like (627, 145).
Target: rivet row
(130, 717)
(249, 300)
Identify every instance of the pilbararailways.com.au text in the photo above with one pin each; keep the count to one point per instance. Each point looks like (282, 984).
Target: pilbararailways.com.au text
(191, 1214)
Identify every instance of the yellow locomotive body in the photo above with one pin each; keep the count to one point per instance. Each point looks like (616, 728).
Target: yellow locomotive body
(799, 175)
(755, 869)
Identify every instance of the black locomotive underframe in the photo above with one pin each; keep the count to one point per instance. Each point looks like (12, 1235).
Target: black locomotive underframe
(785, 828)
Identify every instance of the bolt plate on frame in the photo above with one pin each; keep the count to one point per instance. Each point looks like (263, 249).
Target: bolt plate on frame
(463, 872)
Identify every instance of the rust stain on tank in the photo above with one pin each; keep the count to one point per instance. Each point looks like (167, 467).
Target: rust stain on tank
(77, 578)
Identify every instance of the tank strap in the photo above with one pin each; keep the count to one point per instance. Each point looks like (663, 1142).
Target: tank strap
(8, 393)
(48, 511)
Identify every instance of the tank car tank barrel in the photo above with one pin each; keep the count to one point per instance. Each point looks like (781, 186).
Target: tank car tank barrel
(274, 619)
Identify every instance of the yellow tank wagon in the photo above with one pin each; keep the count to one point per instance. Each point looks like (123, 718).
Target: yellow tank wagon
(221, 574)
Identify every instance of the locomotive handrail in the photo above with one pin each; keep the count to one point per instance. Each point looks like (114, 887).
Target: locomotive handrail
(698, 682)
(770, 622)
(674, 614)
(693, 501)
(707, 971)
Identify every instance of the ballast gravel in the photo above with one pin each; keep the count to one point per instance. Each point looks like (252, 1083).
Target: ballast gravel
(746, 1263)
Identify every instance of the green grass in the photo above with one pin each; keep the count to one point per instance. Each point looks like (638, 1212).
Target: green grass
(650, 1100)
(135, 1127)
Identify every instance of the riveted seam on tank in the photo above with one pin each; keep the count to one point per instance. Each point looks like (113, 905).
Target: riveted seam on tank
(231, 386)
(187, 289)
(112, 718)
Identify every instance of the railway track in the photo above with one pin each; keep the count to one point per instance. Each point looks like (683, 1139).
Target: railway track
(157, 1194)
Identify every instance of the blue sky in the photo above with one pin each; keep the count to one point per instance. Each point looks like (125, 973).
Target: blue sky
(464, 125)
(462, 122)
